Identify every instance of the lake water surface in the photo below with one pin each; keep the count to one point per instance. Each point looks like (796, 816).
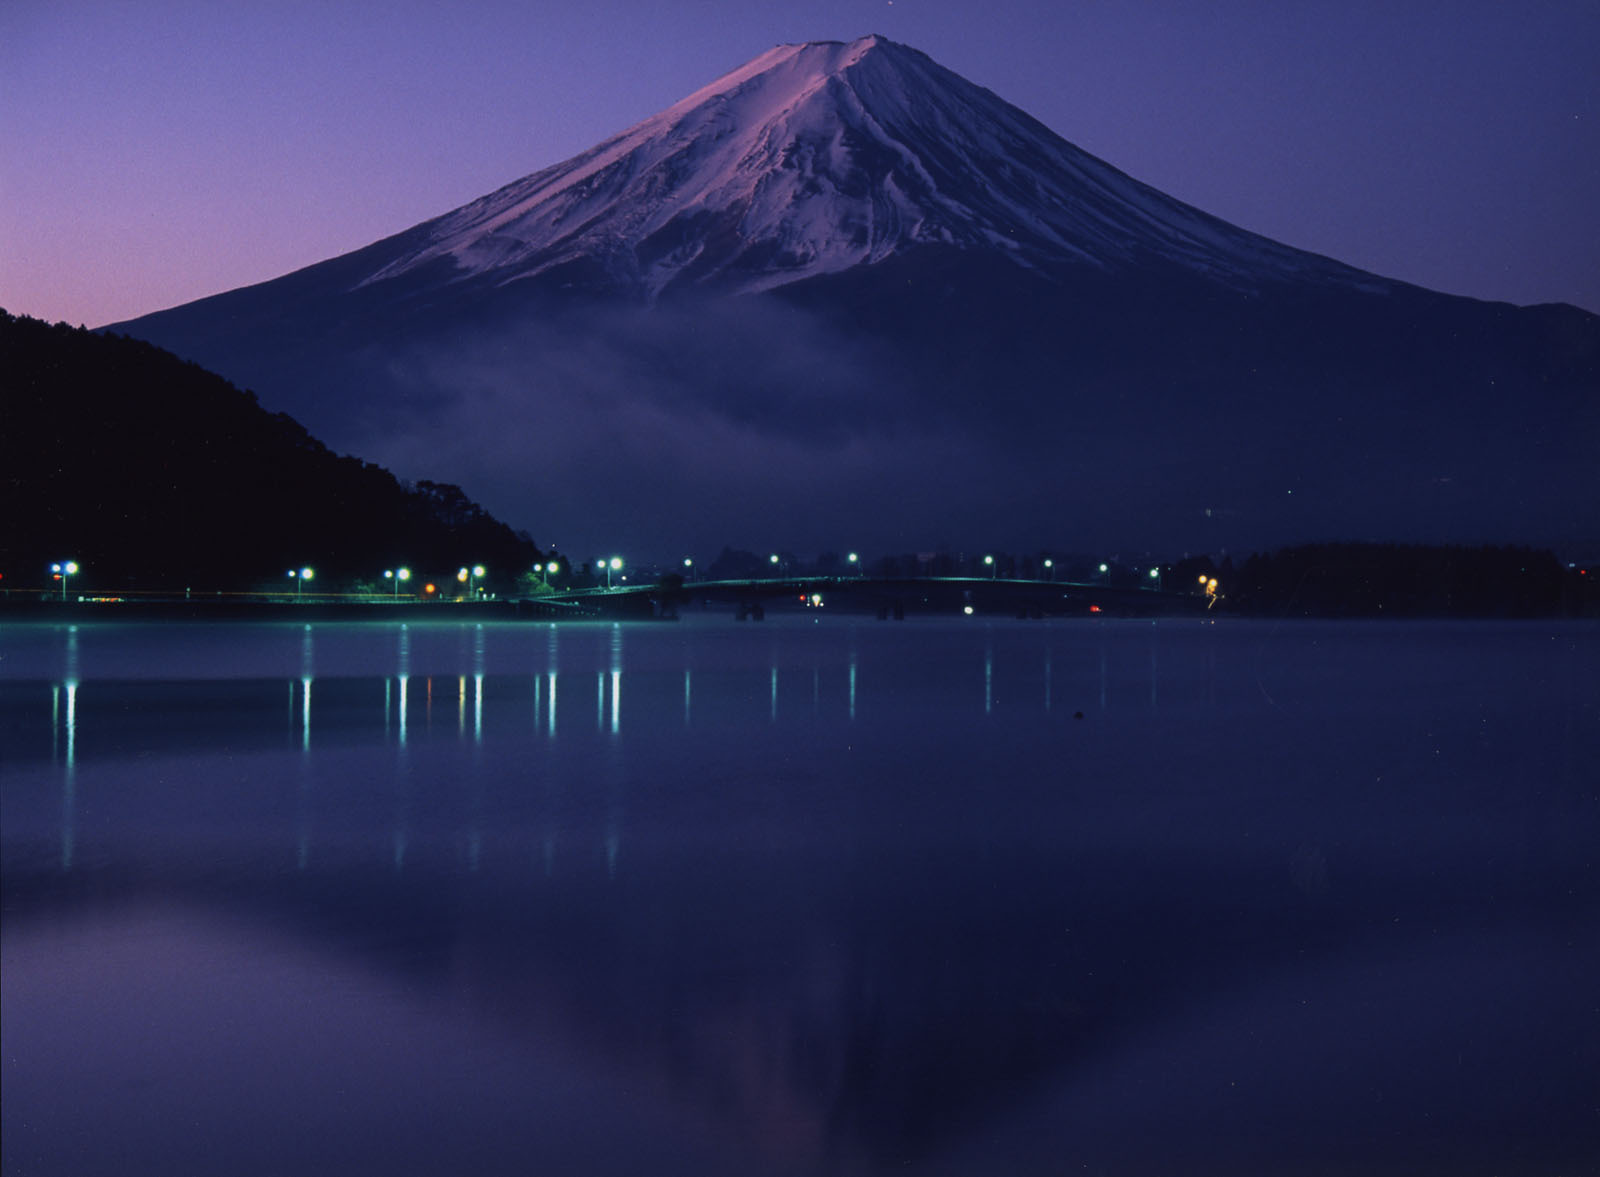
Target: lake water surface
(814, 895)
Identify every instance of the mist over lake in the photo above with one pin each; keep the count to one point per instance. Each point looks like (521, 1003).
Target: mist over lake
(812, 895)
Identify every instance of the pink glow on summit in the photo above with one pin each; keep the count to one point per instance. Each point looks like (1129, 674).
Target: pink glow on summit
(156, 153)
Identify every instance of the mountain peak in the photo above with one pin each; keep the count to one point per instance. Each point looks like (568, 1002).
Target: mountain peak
(824, 155)
(984, 332)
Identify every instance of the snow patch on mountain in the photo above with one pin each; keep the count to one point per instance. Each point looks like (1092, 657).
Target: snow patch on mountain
(819, 157)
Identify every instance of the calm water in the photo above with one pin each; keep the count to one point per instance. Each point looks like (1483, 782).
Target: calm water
(805, 896)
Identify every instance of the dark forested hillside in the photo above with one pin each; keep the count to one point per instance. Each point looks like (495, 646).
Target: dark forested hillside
(154, 473)
(1408, 580)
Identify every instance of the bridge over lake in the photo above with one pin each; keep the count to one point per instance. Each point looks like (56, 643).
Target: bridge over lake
(888, 597)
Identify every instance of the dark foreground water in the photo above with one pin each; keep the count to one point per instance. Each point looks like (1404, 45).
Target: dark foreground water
(806, 896)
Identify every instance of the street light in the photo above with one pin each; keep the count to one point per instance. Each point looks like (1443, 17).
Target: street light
(470, 577)
(1155, 575)
(397, 575)
(63, 570)
(688, 568)
(1104, 569)
(855, 563)
(989, 561)
(300, 576)
(1049, 569)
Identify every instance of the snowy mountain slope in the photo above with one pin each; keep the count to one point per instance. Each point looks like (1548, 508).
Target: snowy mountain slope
(843, 296)
(816, 158)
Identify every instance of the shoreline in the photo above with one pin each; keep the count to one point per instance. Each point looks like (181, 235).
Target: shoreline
(211, 609)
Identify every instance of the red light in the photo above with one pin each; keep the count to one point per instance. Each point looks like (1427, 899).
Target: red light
(1094, 608)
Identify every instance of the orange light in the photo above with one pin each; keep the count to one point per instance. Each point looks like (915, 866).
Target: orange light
(1094, 608)
(428, 588)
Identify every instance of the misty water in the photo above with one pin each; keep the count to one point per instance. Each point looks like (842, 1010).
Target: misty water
(814, 895)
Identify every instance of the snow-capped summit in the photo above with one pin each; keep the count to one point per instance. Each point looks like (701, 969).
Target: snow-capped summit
(818, 157)
(842, 295)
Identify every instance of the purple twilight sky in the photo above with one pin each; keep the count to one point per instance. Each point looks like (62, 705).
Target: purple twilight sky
(152, 153)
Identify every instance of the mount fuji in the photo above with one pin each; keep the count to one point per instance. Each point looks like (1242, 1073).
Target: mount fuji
(814, 159)
(842, 297)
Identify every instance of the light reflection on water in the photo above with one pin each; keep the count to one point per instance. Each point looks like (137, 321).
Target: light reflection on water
(820, 898)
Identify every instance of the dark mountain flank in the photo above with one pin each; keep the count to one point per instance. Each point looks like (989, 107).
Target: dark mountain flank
(155, 474)
(842, 297)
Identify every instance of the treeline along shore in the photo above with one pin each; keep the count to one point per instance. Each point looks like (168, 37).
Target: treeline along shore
(1412, 580)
